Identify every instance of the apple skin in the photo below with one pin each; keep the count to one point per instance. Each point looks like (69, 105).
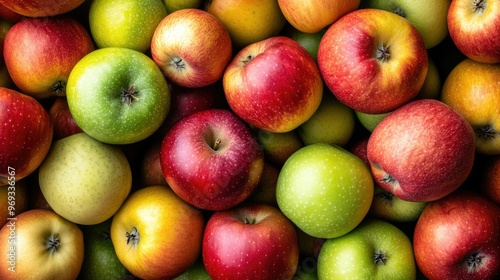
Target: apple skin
(15, 197)
(42, 69)
(9, 15)
(265, 192)
(41, 8)
(354, 64)
(309, 41)
(279, 146)
(314, 15)
(353, 255)
(457, 232)
(167, 238)
(27, 138)
(191, 47)
(150, 168)
(63, 122)
(46, 246)
(271, 76)
(251, 241)
(211, 159)
(473, 27)
(174, 5)
(490, 182)
(422, 151)
(325, 190)
(472, 89)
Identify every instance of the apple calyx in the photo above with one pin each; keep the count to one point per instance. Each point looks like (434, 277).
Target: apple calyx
(382, 53)
(250, 221)
(178, 63)
(398, 11)
(52, 243)
(133, 237)
(247, 60)
(479, 6)
(58, 89)
(474, 261)
(486, 132)
(380, 258)
(387, 179)
(129, 95)
(387, 196)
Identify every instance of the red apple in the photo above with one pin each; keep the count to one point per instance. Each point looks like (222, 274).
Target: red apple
(274, 84)
(458, 237)
(192, 47)
(422, 151)
(41, 8)
(373, 60)
(151, 174)
(250, 242)
(473, 27)
(40, 53)
(211, 159)
(25, 135)
(62, 120)
(490, 183)
(9, 15)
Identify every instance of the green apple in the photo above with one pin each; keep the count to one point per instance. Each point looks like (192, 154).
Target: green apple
(332, 123)
(279, 146)
(118, 95)
(125, 23)
(175, 5)
(387, 206)
(100, 260)
(196, 271)
(370, 121)
(428, 16)
(310, 41)
(324, 190)
(374, 250)
(84, 180)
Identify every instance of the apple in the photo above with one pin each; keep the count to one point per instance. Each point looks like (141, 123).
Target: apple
(41, 8)
(118, 95)
(41, 52)
(156, 235)
(211, 159)
(431, 89)
(25, 135)
(373, 60)
(99, 259)
(325, 190)
(9, 15)
(490, 182)
(63, 122)
(279, 146)
(150, 168)
(196, 271)
(310, 16)
(265, 192)
(428, 16)
(126, 23)
(84, 174)
(370, 121)
(191, 47)
(373, 250)
(422, 151)
(271, 76)
(388, 207)
(39, 244)
(251, 241)
(309, 41)
(175, 5)
(332, 123)
(13, 200)
(473, 27)
(458, 237)
(472, 89)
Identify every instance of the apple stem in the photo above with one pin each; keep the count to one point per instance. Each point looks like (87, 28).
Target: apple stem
(380, 258)
(58, 89)
(474, 261)
(479, 5)
(217, 143)
(133, 236)
(52, 243)
(486, 132)
(178, 63)
(398, 11)
(128, 95)
(382, 53)
(248, 59)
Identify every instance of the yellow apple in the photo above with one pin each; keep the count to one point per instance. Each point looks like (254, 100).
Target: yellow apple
(248, 21)
(472, 89)
(175, 5)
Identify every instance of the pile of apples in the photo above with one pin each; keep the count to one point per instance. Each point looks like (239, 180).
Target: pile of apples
(265, 139)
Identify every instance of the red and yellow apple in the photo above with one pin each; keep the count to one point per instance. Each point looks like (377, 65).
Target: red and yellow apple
(41, 8)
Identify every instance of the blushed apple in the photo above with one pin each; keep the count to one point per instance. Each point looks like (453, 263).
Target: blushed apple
(41, 8)
(63, 122)
(490, 182)
(150, 168)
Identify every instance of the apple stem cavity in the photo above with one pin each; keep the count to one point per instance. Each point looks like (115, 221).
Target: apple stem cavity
(382, 53)
(52, 243)
(129, 95)
(247, 60)
(387, 196)
(474, 261)
(58, 89)
(178, 63)
(479, 5)
(133, 236)
(398, 11)
(486, 132)
(380, 258)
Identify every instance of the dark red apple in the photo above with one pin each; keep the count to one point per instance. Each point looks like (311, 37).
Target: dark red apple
(490, 182)
(62, 120)
(150, 168)
(41, 8)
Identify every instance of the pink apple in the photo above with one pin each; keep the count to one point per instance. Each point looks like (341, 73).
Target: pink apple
(250, 242)
(25, 135)
(422, 151)
(41, 52)
(191, 47)
(473, 27)
(274, 84)
(373, 60)
(211, 159)
(458, 237)
(41, 8)
(62, 120)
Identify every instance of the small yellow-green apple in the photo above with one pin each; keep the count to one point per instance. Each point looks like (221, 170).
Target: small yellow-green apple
(41, 52)
(39, 244)
(373, 60)
(332, 123)
(422, 151)
(310, 16)
(325, 190)
(25, 135)
(14, 198)
(41, 8)
(473, 27)
(251, 241)
(472, 89)
(279, 146)
(63, 122)
(309, 41)
(156, 235)
(375, 249)
(388, 207)
(174, 5)
(458, 237)
(191, 47)
(85, 180)
(196, 271)
(211, 159)
(274, 84)
(428, 16)
(248, 21)
(370, 121)
(118, 95)
(125, 23)
(490, 182)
